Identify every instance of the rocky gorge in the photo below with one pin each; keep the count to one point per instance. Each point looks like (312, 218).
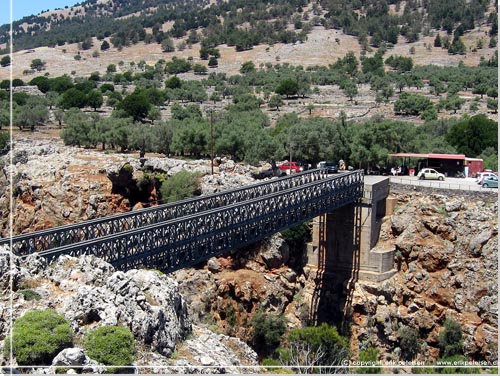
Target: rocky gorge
(199, 319)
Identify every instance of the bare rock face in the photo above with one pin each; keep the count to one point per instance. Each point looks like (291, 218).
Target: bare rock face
(232, 290)
(90, 293)
(447, 270)
(216, 353)
(54, 185)
(276, 253)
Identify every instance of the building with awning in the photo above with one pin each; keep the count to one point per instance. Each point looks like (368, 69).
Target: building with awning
(448, 164)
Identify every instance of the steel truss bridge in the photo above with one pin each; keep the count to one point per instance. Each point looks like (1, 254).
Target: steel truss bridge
(173, 236)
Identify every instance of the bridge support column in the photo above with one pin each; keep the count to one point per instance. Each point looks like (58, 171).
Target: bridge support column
(344, 240)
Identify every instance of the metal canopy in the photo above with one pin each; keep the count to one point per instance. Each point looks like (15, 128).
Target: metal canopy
(429, 156)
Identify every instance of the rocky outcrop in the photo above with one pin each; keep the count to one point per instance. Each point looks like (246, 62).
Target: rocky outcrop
(90, 293)
(53, 184)
(447, 254)
(215, 353)
(229, 290)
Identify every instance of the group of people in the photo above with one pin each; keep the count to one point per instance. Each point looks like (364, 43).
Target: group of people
(395, 170)
(401, 170)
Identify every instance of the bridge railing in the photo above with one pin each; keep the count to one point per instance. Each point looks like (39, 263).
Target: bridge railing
(25, 244)
(182, 242)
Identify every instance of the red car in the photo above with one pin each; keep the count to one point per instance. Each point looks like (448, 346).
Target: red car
(285, 167)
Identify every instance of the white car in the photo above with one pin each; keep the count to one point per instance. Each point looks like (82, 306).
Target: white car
(429, 174)
(482, 175)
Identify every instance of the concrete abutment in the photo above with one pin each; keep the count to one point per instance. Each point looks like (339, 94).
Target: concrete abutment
(343, 241)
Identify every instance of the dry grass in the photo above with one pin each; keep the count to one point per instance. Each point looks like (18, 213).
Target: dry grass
(322, 47)
(30, 284)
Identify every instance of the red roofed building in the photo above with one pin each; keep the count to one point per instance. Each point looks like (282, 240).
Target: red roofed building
(448, 164)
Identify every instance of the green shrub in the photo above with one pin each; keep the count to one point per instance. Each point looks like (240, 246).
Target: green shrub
(30, 295)
(4, 142)
(409, 342)
(298, 236)
(369, 356)
(450, 339)
(182, 185)
(274, 367)
(268, 330)
(315, 346)
(38, 336)
(110, 345)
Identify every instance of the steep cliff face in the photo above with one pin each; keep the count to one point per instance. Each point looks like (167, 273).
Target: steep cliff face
(54, 185)
(230, 289)
(447, 257)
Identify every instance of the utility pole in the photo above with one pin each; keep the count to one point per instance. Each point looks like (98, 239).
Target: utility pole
(212, 141)
(290, 161)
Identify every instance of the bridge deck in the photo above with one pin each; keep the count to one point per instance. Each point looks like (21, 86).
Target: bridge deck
(93, 229)
(176, 243)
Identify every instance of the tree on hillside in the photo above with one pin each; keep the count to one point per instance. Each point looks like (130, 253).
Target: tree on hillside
(411, 104)
(199, 69)
(287, 87)
(349, 63)
(167, 45)
(349, 88)
(37, 64)
(178, 65)
(212, 62)
(33, 113)
(60, 84)
(94, 99)
(86, 44)
(450, 339)
(312, 347)
(5, 61)
(275, 102)
(41, 82)
(247, 67)
(454, 103)
(4, 117)
(105, 46)
(481, 89)
(73, 98)
(457, 46)
(492, 105)
(135, 105)
(437, 41)
(471, 136)
(183, 184)
(173, 82)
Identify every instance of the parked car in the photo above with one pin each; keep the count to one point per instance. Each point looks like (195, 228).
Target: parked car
(483, 175)
(287, 167)
(490, 182)
(330, 167)
(263, 174)
(429, 174)
(305, 166)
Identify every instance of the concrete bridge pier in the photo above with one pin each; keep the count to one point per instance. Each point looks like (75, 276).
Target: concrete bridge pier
(343, 240)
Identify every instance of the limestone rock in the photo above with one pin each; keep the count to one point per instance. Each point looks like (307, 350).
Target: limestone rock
(210, 349)
(275, 252)
(70, 357)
